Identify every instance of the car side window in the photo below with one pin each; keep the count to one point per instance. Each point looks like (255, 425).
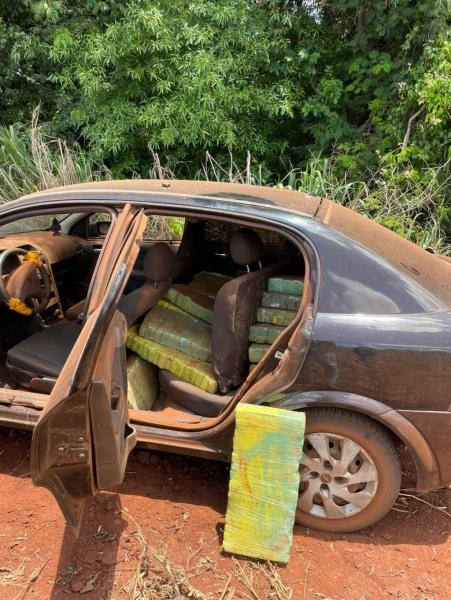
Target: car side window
(217, 230)
(162, 227)
(159, 227)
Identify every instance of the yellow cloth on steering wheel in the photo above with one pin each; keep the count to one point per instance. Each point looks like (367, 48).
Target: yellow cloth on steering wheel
(19, 306)
(34, 258)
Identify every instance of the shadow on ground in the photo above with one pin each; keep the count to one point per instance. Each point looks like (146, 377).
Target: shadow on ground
(88, 562)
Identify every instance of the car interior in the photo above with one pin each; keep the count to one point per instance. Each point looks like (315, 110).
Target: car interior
(205, 304)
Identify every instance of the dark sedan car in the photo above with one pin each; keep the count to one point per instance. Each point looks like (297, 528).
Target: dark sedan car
(217, 294)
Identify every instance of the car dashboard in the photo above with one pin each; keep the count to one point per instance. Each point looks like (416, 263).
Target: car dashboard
(55, 248)
(64, 257)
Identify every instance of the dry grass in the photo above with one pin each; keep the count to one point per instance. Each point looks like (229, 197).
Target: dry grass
(18, 578)
(413, 202)
(404, 497)
(410, 202)
(156, 577)
(159, 227)
(37, 162)
(257, 576)
(12, 577)
(210, 170)
(164, 228)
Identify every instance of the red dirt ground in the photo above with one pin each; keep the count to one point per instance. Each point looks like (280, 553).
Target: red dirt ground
(178, 504)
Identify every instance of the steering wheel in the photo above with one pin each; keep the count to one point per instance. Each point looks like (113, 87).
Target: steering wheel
(29, 282)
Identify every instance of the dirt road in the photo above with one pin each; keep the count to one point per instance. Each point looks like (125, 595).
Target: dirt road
(159, 537)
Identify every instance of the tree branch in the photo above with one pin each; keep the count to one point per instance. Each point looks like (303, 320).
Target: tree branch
(409, 125)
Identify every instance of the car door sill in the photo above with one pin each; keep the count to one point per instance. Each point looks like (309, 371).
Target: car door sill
(26, 417)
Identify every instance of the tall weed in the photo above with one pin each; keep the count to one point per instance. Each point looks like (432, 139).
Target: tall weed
(32, 162)
(413, 205)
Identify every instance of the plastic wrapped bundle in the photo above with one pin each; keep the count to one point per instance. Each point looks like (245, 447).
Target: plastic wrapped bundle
(177, 330)
(170, 306)
(280, 300)
(208, 283)
(264, 333)
(257, 351)
(264, 482)
(276, 316)
(142, 383)
(189, 369)
(193, 302)
(289, 284)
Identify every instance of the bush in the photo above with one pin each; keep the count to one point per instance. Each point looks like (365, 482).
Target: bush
(280, 78)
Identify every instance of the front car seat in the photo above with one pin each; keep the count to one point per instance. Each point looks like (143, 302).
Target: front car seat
(36, 362)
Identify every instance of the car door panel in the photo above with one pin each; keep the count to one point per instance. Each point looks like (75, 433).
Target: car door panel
(82, 439)
(65, 468)
(112, 437)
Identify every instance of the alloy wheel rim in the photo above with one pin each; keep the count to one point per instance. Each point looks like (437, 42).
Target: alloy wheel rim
(338, 477)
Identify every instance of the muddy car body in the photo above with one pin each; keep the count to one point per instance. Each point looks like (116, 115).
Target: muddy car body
(367, 356)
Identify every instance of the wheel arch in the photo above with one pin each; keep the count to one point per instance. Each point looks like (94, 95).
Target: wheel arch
(427, 471)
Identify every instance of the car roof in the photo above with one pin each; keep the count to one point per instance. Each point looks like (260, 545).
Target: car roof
(301, 202)
(431, 272)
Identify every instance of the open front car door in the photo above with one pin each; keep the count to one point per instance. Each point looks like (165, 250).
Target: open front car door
(83, 438)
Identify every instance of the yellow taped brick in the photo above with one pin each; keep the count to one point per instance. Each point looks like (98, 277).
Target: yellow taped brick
(189, 369)
(264, 482)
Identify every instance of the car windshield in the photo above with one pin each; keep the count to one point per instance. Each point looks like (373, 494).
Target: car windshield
(36, 223)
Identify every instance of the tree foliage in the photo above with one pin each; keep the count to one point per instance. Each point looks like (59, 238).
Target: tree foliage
(284, 79)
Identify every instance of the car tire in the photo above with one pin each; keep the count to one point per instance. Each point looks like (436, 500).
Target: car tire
(328, 499)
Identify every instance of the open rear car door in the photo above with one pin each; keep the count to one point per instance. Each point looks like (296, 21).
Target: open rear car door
(83, 438)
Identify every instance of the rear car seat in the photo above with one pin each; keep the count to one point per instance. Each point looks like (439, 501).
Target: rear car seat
(191, 397)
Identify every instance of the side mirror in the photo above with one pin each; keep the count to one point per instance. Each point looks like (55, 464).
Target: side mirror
(99, 229)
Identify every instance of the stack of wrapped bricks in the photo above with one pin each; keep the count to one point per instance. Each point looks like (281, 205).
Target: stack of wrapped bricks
(176, 334)
(279, 306)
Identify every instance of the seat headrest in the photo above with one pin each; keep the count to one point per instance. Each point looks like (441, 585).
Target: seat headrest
(159, 263)
(246, 247)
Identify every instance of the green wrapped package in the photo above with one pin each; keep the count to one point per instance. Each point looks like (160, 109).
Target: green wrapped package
(289, 284)
(264, 482)
(193, 302)
(264, 333)
(189, 369)
(170, 306)
(177, 330)
(142, 383)
(280, 300)
(276, 316)
(257, 351)
(208, 283)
